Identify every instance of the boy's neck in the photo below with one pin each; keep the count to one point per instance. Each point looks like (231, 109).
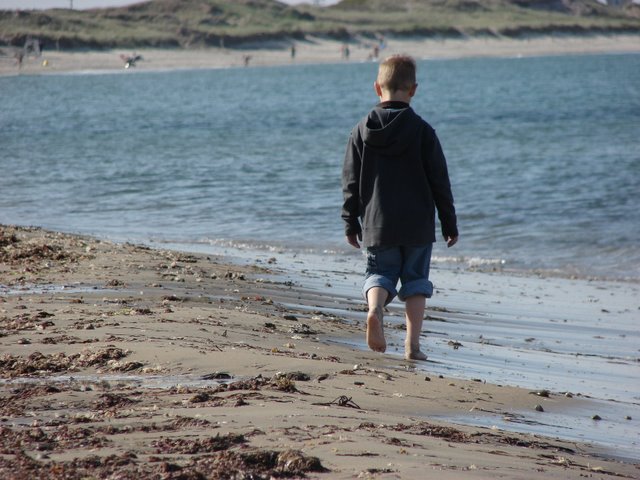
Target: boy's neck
(394, 98)
(404, 96)
(393, 101)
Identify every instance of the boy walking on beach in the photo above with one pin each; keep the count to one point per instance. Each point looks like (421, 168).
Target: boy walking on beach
(394, 178)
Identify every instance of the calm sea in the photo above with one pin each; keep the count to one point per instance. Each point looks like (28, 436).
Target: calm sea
(544, 156)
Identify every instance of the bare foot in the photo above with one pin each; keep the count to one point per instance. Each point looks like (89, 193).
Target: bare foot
(375, 331)
(414, 353)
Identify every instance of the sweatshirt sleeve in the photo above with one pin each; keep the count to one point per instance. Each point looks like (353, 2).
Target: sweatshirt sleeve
(438, 177)
(351, 186)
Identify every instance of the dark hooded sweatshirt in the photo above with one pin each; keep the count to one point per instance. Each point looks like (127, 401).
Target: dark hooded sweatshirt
(393, 179)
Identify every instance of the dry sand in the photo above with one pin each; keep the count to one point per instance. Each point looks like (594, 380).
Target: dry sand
(315, 50)
(177, 365)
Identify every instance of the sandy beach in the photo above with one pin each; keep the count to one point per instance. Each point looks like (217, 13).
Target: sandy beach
(312, 50)
(123, 361)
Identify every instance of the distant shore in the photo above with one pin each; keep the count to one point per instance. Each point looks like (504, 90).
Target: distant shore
(312, 51)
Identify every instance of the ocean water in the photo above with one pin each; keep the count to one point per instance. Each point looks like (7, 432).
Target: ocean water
(543, 153)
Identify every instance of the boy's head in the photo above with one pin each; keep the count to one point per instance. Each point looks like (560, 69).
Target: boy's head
(396, 78)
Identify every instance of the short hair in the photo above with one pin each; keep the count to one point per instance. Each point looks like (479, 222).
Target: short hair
(397, 72)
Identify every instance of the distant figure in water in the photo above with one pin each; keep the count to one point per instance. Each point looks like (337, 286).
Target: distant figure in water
(394, 178)
(246, 59)
(293, 52)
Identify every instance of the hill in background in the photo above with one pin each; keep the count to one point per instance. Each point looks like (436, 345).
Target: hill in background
(200, 23)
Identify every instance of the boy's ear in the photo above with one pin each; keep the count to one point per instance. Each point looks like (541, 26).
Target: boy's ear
(413, 89)
(377, 88)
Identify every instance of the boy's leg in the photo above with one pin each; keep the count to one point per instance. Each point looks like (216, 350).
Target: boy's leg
(414, 312)
(376, 299)
(383, 270)
(416, 288)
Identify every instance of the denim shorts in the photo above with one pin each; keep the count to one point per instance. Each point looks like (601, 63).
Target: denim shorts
(410, 265)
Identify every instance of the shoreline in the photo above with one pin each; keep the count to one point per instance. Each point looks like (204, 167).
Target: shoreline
(445, 261)
(314, 51)
(130, 311)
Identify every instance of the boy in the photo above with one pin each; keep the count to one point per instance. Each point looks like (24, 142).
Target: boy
(394, 177)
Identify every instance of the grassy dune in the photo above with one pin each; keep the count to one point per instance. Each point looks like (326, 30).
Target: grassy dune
(197, 23)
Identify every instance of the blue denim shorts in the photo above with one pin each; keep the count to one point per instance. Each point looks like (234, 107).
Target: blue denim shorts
(410, 265)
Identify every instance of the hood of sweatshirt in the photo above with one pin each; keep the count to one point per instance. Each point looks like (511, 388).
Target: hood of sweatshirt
(390, 127)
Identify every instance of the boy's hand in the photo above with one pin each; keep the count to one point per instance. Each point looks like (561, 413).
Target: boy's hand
(353, 238)
(451, 241)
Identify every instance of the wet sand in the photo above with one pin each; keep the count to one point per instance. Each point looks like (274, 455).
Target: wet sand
(313, 50)
(137, 362)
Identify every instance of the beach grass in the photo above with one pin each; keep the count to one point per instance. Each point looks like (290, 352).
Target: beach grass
(197, 23)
